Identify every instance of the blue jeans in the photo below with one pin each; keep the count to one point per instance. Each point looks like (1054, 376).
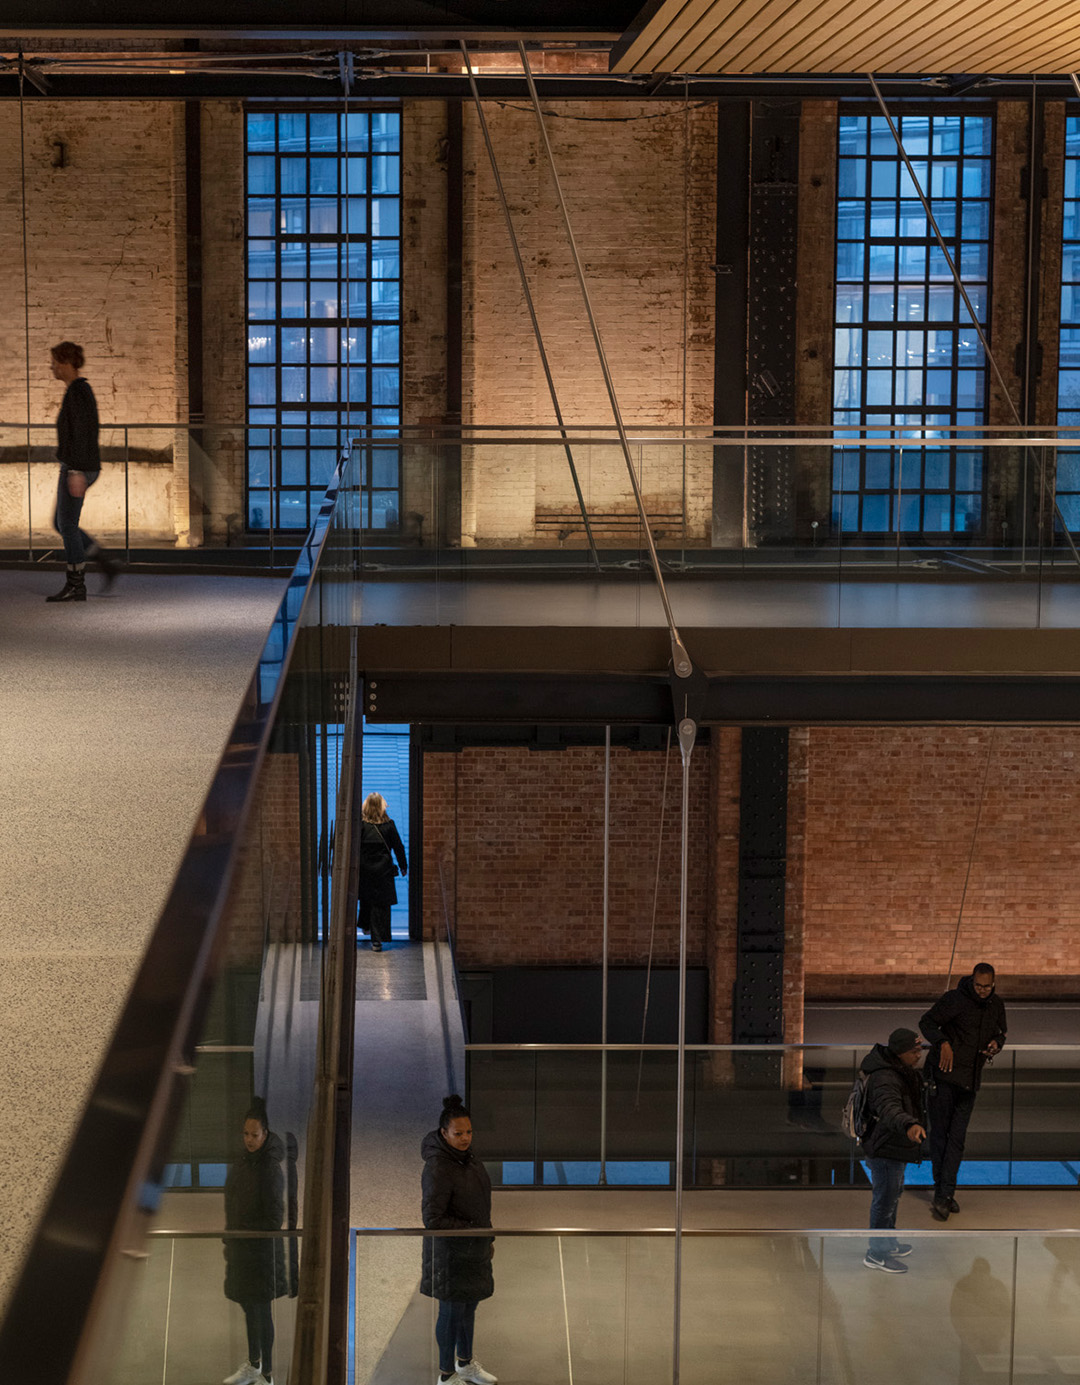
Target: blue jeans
(887, 1180)
(66, 519)
(454, 1332)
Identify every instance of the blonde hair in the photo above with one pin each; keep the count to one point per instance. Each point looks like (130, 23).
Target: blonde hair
(374, 809)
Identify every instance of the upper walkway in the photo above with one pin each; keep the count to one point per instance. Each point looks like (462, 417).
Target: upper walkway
(113, 716)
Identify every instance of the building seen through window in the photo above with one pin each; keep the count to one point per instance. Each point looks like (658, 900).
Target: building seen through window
(324, 307)
(906, 352)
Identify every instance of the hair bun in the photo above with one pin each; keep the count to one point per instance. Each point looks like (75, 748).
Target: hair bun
(258, 1107)
(452, 1101)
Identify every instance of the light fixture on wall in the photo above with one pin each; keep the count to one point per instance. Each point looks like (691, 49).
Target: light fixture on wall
(59, 156)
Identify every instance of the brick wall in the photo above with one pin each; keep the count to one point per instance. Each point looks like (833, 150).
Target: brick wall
(639, 181)
(513, 840)
(106, 269)
(890, 820)
(264, 901)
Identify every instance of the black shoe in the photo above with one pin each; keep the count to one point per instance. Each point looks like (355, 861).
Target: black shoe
(108, 567)
(376, 947)
(74, 588)
(940, 1210)
(888, 1263)
(953, 1205)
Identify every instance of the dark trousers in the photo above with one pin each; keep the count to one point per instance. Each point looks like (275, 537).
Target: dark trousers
(950, 1110)
(260, 1329)
(66, 519)
(454, 1332)
(887, 1181)
(375, 919)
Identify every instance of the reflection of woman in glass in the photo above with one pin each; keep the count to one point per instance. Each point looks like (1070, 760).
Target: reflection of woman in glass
(255, 1267)
(379, 844)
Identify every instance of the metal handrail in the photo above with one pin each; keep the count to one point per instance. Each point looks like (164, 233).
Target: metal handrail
(760, 1050)
(470, 1233)
(59, 1316)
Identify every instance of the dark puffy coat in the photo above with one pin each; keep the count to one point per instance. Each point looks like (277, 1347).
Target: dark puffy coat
(969, 1023)
(457, 1194)
(376, 877)
(77, 428)
(895, 1098)
(255, 1201)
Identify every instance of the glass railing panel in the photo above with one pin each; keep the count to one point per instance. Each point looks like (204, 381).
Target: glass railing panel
(586, 1308)
(756, 1116)
(959, 1291)
(755, 1305)
(185, 1323)
(1045, 1326)
(1044, 1115)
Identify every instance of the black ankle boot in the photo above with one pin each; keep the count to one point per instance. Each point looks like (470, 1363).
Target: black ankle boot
(107, 566)
(74, 588)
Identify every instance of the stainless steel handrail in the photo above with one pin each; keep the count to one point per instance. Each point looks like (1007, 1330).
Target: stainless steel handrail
(470, 1233)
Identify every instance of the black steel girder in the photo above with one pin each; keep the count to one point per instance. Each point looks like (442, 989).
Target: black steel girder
(322, 82)
(317, 19)
(791, 700)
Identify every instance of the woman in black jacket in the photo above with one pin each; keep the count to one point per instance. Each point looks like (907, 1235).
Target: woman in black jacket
(456, 1269)
(80, 466)
(379, 844)
(255, 1272)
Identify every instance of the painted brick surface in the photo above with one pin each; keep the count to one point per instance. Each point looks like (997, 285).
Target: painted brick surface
(639, 181)
(890, 820)
(105, 267)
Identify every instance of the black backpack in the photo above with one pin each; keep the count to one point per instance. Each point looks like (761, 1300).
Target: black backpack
(857, 1118)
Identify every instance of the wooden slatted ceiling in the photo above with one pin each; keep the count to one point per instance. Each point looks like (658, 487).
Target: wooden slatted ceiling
(748, 36)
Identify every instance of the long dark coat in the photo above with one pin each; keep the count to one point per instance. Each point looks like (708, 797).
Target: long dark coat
(969, 1023)
(376, 877)
(457, 1194)
(255, 1201)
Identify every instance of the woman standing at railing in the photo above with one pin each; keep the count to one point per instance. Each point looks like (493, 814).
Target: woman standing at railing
(379, 844)
(255, 1272)
(456, 1269)
(80, 466)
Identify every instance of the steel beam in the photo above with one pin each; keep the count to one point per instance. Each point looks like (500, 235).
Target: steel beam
(792, 700)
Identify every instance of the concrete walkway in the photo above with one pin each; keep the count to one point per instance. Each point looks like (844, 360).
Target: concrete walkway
(113, 714)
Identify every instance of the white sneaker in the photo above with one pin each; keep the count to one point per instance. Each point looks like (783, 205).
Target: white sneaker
(474, 1372)
(247, 1374)
(454, 1379)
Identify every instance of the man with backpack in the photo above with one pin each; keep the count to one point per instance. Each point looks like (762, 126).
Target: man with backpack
(966, 1028)
(895, 1128)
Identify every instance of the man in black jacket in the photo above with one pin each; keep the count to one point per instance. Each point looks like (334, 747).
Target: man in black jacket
(966, 1028)
(892, 1140)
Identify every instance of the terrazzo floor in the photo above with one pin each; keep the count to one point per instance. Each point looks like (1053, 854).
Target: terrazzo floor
(112, 716)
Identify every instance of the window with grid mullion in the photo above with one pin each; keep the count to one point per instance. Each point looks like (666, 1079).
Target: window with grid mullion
(906, 353)
(323, 300)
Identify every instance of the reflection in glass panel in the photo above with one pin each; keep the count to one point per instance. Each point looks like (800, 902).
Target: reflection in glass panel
(913, 376)
(311, 178)
(1067, 486)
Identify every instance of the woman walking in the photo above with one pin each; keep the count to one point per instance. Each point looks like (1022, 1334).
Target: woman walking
(255, 1267)
(379, 844)
(80, 466)
(456, 1269)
